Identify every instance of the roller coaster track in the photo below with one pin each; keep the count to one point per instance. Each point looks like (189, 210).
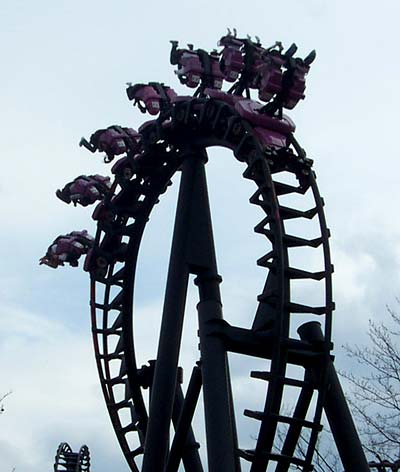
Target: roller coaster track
(189, 127)
(68, 461)
(293, 338)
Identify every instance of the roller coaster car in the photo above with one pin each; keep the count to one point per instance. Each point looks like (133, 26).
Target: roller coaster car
(124, 168)
(232, 60)
(103, 214)
(85, 190)
(295, 80)
(151, 133)
(270, 76)
(114, 141)
(251, 111)
(216, 77)
(68, 248)
(152, 97)
(196, 67)
(256, 52)
(97, 261)
(190, 69)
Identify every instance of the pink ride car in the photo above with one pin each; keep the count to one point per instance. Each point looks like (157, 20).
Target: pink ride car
(114, 140)
(68, 248)
(85, 190)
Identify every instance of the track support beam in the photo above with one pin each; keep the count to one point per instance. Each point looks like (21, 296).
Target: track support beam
(192, 252)
(184, 446)
(219, 412)
(166, 368)
(337, 411)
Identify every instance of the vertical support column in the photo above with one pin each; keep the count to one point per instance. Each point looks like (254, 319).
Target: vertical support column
(192, 252)
(165, 374)
(337, 411)
(219, 413)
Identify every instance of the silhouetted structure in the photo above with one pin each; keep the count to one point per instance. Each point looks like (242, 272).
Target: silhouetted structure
(261, 137)
(68, 461)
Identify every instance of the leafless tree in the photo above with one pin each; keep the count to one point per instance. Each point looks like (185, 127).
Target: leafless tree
(325, 458)
(375, 395)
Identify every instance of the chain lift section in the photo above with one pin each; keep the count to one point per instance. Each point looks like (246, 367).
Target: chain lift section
(261, 138)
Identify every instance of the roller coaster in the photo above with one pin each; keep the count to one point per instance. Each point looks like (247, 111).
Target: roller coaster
(261, 138)
(68, 461)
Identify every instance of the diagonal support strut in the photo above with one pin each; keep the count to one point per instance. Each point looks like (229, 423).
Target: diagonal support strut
(192, 252)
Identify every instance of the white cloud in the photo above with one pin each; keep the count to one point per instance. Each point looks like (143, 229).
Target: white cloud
(55, 398)
(350, 269)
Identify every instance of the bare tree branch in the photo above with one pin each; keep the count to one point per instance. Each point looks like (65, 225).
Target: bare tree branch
(2, 399)
(375, 396)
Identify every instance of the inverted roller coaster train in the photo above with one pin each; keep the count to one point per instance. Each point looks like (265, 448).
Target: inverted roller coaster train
(262, 138)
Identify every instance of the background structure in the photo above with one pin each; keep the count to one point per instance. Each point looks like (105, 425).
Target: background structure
(64, 68)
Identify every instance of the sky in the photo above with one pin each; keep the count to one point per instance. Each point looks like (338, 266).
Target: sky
(65, 66)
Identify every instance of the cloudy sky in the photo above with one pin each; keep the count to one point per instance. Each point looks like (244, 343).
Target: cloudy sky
(64, 69)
